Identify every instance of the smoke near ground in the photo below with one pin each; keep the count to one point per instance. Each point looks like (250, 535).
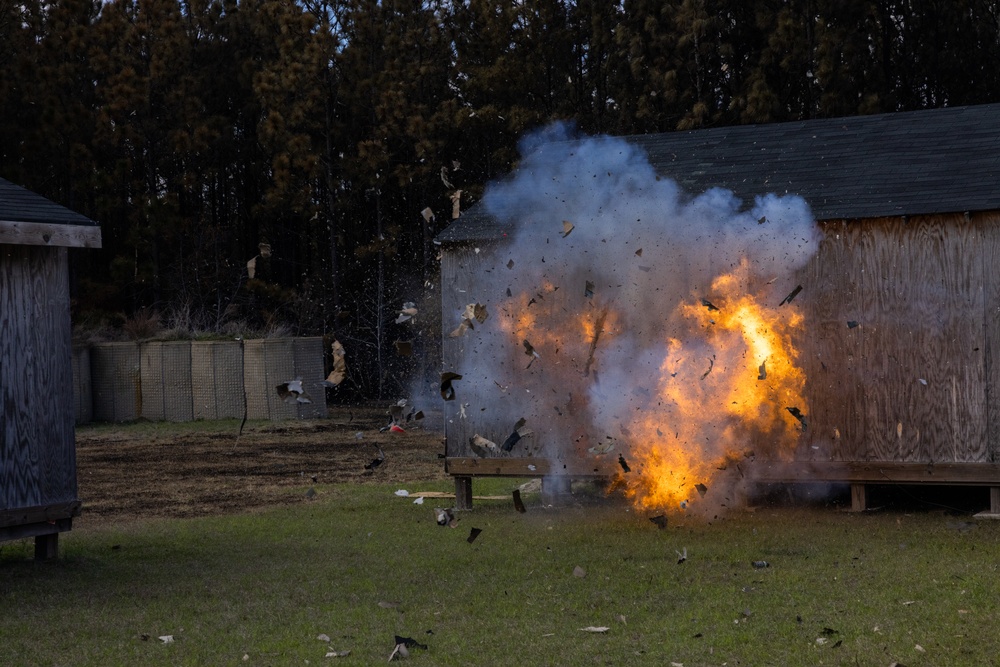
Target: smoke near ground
(590, 301)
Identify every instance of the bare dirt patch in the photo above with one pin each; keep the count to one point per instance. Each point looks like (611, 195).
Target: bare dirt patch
(202, 468)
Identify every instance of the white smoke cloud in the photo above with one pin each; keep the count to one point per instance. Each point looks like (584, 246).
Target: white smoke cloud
(639, 247)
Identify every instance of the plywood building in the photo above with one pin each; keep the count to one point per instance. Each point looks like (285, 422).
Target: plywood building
(902, 299)
(38, 485)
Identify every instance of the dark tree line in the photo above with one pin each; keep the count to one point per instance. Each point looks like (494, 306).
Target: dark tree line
(200, 133)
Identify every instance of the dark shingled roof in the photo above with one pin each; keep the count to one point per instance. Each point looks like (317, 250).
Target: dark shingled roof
(906, 163)
(20, 205)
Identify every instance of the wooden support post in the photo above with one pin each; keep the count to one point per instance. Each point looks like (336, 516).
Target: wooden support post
(463, 492)
(995, 500)
(47, 547)
(859, 498)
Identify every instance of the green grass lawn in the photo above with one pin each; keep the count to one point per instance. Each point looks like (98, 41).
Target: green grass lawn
(360, 565)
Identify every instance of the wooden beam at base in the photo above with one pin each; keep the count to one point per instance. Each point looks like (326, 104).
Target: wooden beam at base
(529, 467)
(876, 472)
(39, 514)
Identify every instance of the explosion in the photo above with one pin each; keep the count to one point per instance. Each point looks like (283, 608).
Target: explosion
(638, 324)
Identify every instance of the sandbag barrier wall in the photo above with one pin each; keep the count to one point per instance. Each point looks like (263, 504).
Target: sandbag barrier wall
(186, 380)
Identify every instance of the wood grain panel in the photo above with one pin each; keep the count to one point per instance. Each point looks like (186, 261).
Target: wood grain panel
(830, 348)
(989, 227)
(37, 452)
(924, 344)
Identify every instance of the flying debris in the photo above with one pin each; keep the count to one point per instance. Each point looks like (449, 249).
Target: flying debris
(519, 432)
(711, 364)
(251, 267)
(456, 204)
(518, 503)
(481, 446)
(292, 392)
(798, 415)
(623, 463)
(404, 348)
(530, 351)
(660, 520)
(567, 228)
(708, 304)
(473, 312)
(638, 253)
(444, 178)
(762, 371)
(603, 448)
(264, 249)
(408, 312)
(339, 370)
(851, 324)
(447, 391)
(588, 289)
(702, 489)
(428, 214)
(377, 461)
(791, 295)
(761, 220)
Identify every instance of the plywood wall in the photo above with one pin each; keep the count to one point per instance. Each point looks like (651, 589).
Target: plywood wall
(901, 345)
(37, 446)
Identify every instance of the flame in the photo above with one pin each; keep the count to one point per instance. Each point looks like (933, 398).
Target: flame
(720, 394)
(721, 388)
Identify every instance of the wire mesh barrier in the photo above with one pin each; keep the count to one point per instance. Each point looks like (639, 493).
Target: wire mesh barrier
(186, 380)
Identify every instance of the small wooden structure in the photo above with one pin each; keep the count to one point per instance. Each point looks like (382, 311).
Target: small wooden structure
(902, 299)
(38, 487)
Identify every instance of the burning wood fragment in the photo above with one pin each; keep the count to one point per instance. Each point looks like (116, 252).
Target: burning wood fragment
(623, 463)
(518, 503)
(798, 415)
(762, 371)
(660, 520)
(598, 330)
(791, 295)
(447, 391)
(473, 534)
(708, 304)
(339, 371)
(567, 228)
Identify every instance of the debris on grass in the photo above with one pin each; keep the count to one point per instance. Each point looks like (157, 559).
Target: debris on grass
(377, 461)
(445, 517)
(595, 628)
(681, 557)
(166, 639)
(473, 534)
(402, 493)
(337, 654)
(323, 638)
(760, 564)
(579, 572)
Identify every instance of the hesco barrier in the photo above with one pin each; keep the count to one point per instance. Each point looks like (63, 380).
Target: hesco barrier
(185, 380)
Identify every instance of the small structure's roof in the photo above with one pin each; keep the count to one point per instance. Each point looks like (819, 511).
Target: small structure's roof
(27, 218)
(906, 163)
